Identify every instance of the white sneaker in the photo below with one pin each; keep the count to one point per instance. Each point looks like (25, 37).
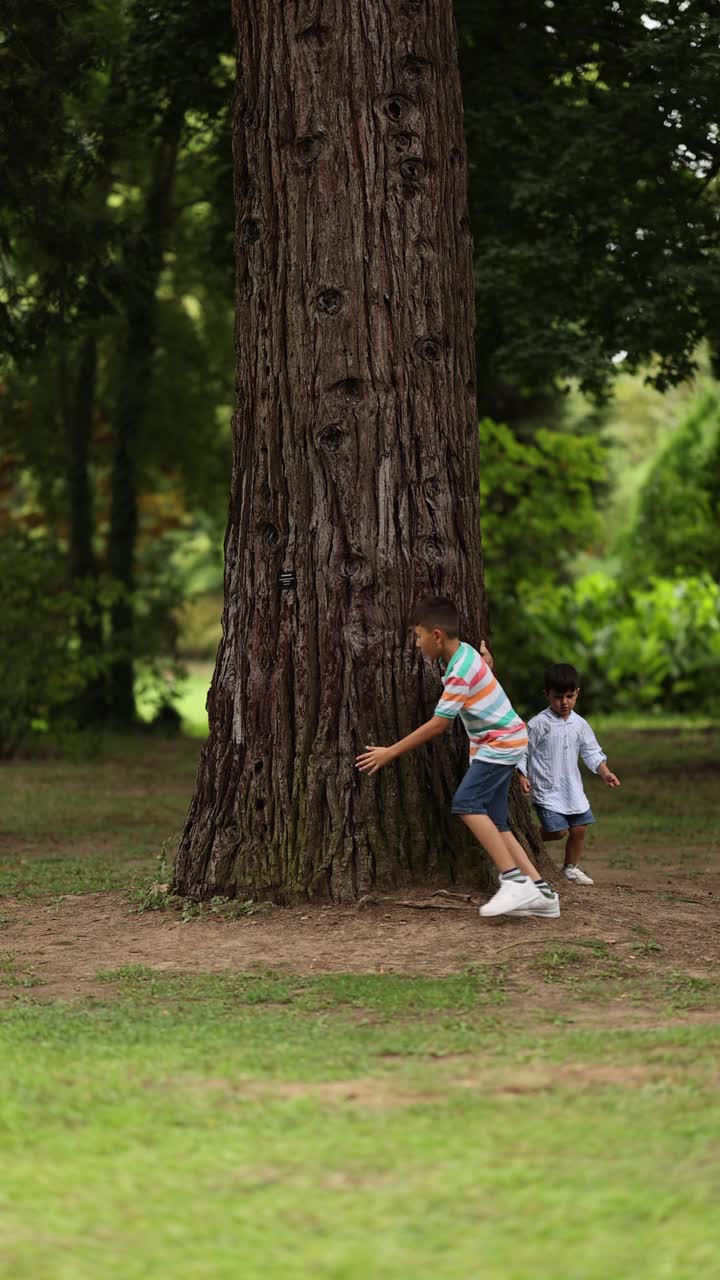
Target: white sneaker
(511, 896)
(571, 872)
(541, 906)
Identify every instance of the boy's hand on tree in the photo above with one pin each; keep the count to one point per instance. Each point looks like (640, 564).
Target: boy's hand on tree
(486, 655)
(374, 758)
(525, 786)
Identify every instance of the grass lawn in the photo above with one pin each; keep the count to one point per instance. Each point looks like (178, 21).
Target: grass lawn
(556, 1122)
(80, 826)
(215, 1128)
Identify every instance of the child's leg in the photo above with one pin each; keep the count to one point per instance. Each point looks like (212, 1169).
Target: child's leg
(552, 835)
(505, 851)
(519, 856)
(575, 845)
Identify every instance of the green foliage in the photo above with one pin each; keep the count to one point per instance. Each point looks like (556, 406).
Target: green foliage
(539, 502)
(593, 145)
(637, 649)
(44, 668)
(677, 524)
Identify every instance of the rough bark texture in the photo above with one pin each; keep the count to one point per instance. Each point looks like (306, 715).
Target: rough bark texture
(356, 456)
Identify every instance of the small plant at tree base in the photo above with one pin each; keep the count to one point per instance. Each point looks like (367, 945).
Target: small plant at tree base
(155, 892)
(223, 908)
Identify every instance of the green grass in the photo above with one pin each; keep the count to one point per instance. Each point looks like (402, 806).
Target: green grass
(201, 1128)
(666, 808)
(504, 1124)
(82, 827)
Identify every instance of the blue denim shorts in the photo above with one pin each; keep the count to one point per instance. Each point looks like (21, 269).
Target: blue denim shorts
(484, 790)
(551, 821)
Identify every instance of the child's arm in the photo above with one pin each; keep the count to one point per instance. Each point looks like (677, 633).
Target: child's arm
(609, 778)
(523, 765)
(374, 758)
(595, 758)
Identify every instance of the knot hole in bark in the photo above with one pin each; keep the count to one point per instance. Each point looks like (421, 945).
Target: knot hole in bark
(412, 8)
(425, 248)
(433, 550)
(350, 390)
(315, 33)
(412, 170)
(414, 68)
(433, 488)
(396, 107)
(331, 437)
(355, 569)
(249, 232)
(402, 140)
(330, 302)
(429, 349)
(308, 148)
(269, 534)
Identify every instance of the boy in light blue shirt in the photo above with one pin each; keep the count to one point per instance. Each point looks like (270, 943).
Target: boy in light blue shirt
(557, 737)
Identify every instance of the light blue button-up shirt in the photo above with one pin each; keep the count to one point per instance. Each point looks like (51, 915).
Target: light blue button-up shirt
(554, 748)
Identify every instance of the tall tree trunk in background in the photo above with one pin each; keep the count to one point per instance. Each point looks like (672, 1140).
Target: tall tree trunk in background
(143, 263)
(91, 705)
(355, 479)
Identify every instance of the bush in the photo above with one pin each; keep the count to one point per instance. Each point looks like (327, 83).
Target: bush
(44, 669)
(651, 648)
(676, 529)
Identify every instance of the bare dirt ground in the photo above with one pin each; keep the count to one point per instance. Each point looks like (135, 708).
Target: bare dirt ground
(64, 944)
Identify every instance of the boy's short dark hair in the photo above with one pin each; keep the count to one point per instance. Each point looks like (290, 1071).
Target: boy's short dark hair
(560, 677)
(438, 614)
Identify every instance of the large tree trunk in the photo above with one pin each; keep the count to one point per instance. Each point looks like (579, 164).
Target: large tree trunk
(144, 260)
(355, 479)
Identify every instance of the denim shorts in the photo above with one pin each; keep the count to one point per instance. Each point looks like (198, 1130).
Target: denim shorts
(484, 790)
(551, 821)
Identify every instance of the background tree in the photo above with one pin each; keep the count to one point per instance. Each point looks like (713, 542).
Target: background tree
(594, 144)
(84, 318)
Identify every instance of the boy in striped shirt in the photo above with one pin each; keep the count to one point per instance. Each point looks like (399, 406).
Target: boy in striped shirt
(498, 743)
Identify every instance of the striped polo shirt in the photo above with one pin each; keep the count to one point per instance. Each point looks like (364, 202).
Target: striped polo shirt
(470, 691)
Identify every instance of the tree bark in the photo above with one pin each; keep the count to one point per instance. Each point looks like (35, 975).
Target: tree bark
(355, 477)
(143, 263)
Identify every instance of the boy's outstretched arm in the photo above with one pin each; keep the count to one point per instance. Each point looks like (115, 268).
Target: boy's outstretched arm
(374, 758)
